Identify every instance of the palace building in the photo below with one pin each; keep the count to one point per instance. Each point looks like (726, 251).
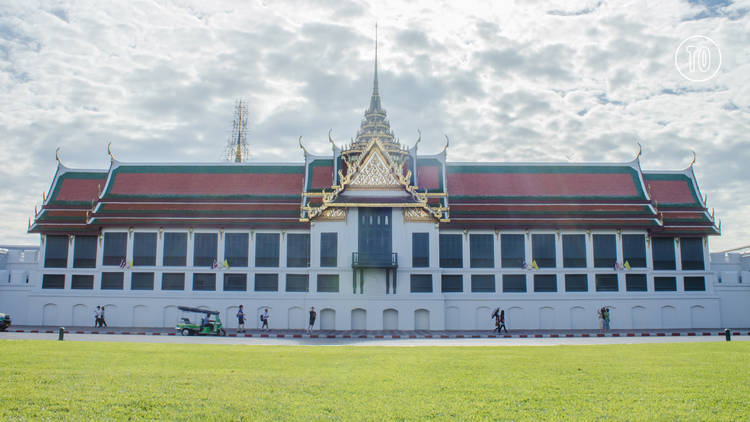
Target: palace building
(377, 236)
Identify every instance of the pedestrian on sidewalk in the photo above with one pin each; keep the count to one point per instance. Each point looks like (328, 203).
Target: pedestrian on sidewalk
(97, 317)
(605, 314)
(264, 319)
(241, 320)
(102, 321)
(501, 322)
(496, 314)
(311, 323)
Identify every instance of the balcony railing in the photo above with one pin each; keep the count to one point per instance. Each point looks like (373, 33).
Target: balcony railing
(374, 260)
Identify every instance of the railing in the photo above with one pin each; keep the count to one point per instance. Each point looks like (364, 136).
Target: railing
(375, 260)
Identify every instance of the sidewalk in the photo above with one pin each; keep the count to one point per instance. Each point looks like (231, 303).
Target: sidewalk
(391, 334)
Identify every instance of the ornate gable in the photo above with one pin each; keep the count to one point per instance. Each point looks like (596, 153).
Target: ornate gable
(375, 173)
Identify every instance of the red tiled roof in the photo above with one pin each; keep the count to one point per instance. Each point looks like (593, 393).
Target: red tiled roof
(563, 184)
(203, 181)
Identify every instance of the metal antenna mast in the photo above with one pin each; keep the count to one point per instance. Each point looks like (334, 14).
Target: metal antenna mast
(236, 149)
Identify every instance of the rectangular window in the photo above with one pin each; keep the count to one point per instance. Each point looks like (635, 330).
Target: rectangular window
(574, 250)
(543, 250)
(236, 249)
(665, 284)
(115, 246)
(328, 283)
(144, 249)
(173, 281)
(513, 250)
(235, 282)
(691, 251)
(451, 251)
(545, 283)
(204, 282)
(53, 281)
(84, 252)
(267, 250)
(634, 250)
(605, 250)
(329, 249)
(297, 282)
(695, 284)
(514, 283)
(481, 251)
(175, 250)
(576, 283)
(420, 250)
(635, 282)
(298, 250)
(482, 283)
(662, 250)
(82, 282)
(204, 250)
(606, 283)
(112, 281)
(266, 282)
(56, 252)
(452, 283)
(421, 283)
(142, 281)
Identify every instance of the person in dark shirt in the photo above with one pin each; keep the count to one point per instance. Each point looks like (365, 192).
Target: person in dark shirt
(313, 314)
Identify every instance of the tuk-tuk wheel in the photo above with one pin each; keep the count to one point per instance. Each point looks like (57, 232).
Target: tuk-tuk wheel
(222, 332)
(185, 332)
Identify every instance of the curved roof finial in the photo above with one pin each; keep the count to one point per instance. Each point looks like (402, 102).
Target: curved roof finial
(447, 143)
(331, 139)
(693, 160)
(302, 146)
(57, 155)
(640, 150)
(418, 139)
(109, 151)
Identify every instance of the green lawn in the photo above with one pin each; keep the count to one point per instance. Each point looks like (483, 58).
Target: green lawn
(116, 381)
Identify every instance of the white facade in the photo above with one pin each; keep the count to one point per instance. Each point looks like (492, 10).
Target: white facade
(724, 302)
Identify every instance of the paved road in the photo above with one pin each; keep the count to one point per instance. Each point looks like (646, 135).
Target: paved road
(400, 342)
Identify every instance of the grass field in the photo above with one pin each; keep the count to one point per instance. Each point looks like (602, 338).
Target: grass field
(116, 381)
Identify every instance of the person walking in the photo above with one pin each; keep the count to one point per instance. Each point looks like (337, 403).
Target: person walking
(600, 315)
(102, 321)
(501, 322)
(264, 319)
(496, 314)
(241, 320)
(97, 317)
(310, 325)
(605, 314)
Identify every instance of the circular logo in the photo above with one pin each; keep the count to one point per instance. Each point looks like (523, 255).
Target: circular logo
(697, 58)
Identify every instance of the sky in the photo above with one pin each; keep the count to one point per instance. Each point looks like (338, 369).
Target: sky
(526, 81)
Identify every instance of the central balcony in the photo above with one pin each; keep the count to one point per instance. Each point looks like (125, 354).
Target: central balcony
(374, 260)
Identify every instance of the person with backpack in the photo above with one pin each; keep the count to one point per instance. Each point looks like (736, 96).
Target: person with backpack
(241, 320)
(264, 320)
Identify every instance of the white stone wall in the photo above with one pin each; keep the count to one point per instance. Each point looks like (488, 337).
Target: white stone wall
(724, 303)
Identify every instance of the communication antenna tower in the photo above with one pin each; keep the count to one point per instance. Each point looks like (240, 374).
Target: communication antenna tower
(236, 149)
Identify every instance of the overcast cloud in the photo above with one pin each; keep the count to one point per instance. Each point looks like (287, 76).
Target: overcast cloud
(530, 81)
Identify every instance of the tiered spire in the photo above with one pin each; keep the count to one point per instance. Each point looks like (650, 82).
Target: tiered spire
(375, 124)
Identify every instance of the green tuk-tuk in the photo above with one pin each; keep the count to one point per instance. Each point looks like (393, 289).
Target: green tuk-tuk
(4, 322)
(207, 324)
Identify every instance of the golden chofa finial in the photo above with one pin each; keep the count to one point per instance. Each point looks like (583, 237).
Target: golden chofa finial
(302, 146)
(640, 150)
(57, 155)
(693, 160)
(109, 151)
